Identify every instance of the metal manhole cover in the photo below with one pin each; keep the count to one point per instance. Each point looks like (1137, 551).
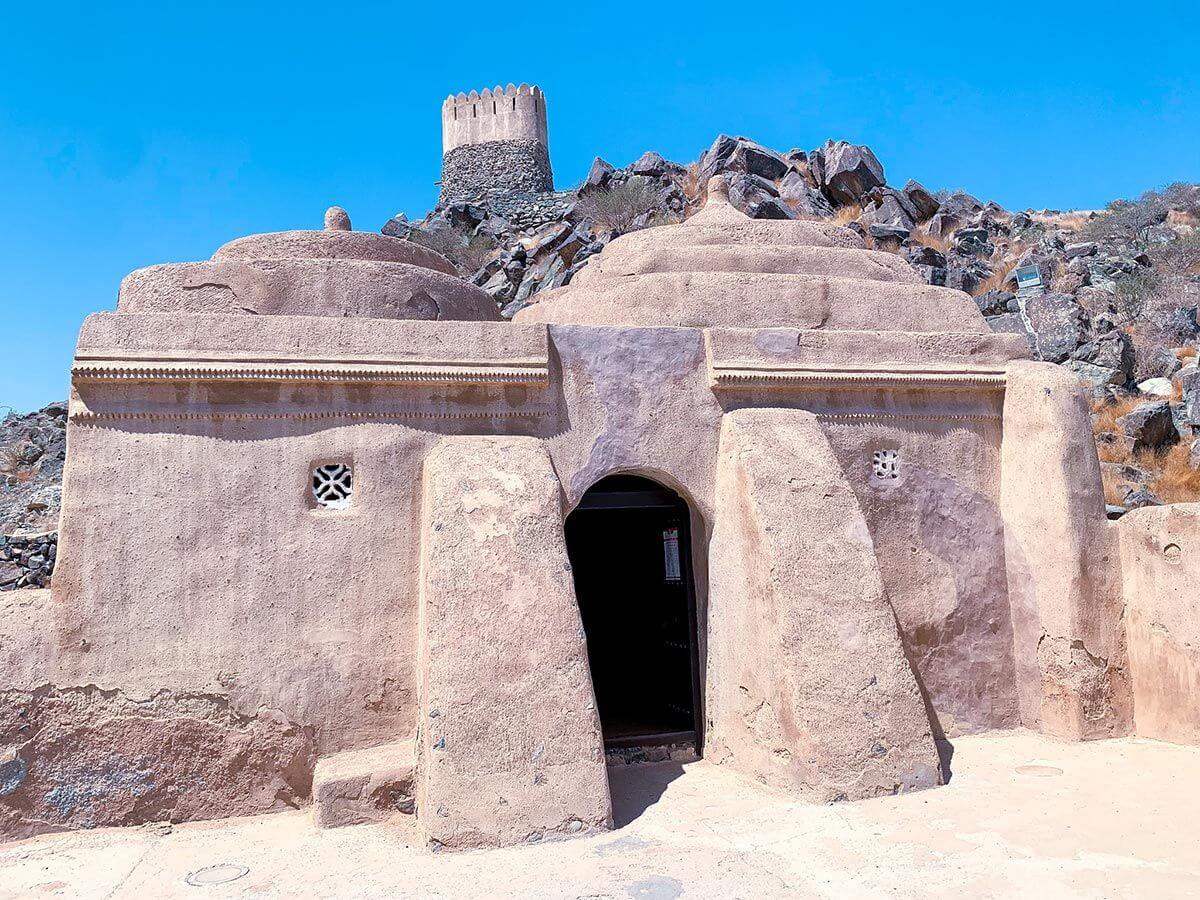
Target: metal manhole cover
(1039, 771)
(218, 874)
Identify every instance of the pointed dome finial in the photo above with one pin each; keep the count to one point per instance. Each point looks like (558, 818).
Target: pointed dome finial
(337, 219)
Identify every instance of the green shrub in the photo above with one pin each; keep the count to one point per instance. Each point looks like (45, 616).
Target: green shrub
(617, 208)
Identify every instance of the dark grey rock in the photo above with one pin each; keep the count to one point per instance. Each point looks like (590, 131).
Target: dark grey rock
(757, 197)
(652, 165)
(953, 212)
(848, 172)
(973, 242)
(1191, 396)
(802, 197)
(920, 255)
(923, 202)
(883, 231)
(755, 159)
(995, 303)
(1150, 426)
(1136, 498)
(1126, 472)
(1057, 325)
(598, 176)
(1111, 350)
(1163, 363)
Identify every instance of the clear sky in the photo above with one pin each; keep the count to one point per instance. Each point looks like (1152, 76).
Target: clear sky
(133, 133)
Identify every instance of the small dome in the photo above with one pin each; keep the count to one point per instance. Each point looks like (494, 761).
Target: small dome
(335, 272)
(722, 269)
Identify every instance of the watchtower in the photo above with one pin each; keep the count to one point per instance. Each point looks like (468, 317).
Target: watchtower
(495, 143)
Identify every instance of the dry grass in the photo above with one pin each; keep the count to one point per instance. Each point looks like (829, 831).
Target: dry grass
(847, 214)
(13, 466)
(1068, 221)
(1172, 478)
(1001, 276)
(925, 239)
(1104, 418)
(695, 189)
(1183, 354)
(1175, 481)
(1178, 217)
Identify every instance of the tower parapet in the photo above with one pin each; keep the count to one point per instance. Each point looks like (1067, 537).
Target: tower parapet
(494, 143)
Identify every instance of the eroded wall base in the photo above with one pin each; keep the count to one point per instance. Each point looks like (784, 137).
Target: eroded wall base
(1160, 550)
(808, 685)
(1063, 567)
(509, 743)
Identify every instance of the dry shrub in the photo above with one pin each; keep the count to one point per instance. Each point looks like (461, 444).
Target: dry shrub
(618, 207)
(847, 214)
(466, 251)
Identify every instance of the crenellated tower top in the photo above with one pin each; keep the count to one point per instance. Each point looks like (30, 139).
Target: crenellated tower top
(496, 114)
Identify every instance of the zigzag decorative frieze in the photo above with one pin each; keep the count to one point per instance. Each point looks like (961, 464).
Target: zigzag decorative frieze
(98, 418)
(731, 377)
(126, 369)
(910, 417)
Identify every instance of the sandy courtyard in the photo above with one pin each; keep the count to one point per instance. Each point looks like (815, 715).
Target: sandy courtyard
(1119, 820)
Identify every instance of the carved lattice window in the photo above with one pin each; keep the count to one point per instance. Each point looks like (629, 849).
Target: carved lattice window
(333, 485)
(886, 463)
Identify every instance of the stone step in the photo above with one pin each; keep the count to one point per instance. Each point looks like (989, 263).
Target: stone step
(362, 786)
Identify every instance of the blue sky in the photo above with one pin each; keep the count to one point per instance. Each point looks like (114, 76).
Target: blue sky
(138, 133)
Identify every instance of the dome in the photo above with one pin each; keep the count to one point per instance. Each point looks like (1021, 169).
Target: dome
(723, 269)
(335, 272)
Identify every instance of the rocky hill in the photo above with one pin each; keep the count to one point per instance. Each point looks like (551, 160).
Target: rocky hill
(33, 448)
(1110, 294)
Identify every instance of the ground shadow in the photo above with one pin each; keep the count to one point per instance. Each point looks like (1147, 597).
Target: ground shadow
(636, 788)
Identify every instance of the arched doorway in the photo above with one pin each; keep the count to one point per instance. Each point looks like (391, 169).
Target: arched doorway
(630, 547)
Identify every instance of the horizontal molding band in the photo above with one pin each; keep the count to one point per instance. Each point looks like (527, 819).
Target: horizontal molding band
(93, 418)
(728, 377)
(333, 373)
(910, 417)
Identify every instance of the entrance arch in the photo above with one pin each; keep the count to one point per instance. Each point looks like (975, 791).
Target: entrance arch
(629, 542)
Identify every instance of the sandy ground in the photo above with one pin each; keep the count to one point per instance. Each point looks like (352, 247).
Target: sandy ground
(1023, 816)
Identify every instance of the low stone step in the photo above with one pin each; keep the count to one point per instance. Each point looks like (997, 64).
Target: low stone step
(362, 786)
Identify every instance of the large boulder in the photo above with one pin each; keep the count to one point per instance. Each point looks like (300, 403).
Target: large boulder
(954, 211)
(802, 197)
(738, 154)
(1112, 350)
(1058, 325)
(598, 178)
(925, 204)
(653, 165)
(889, 207)
(757, 197)
(1150, 426)
(848, 172)
(1191, 395)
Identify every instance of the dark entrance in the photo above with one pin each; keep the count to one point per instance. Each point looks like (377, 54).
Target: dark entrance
(630, 549)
